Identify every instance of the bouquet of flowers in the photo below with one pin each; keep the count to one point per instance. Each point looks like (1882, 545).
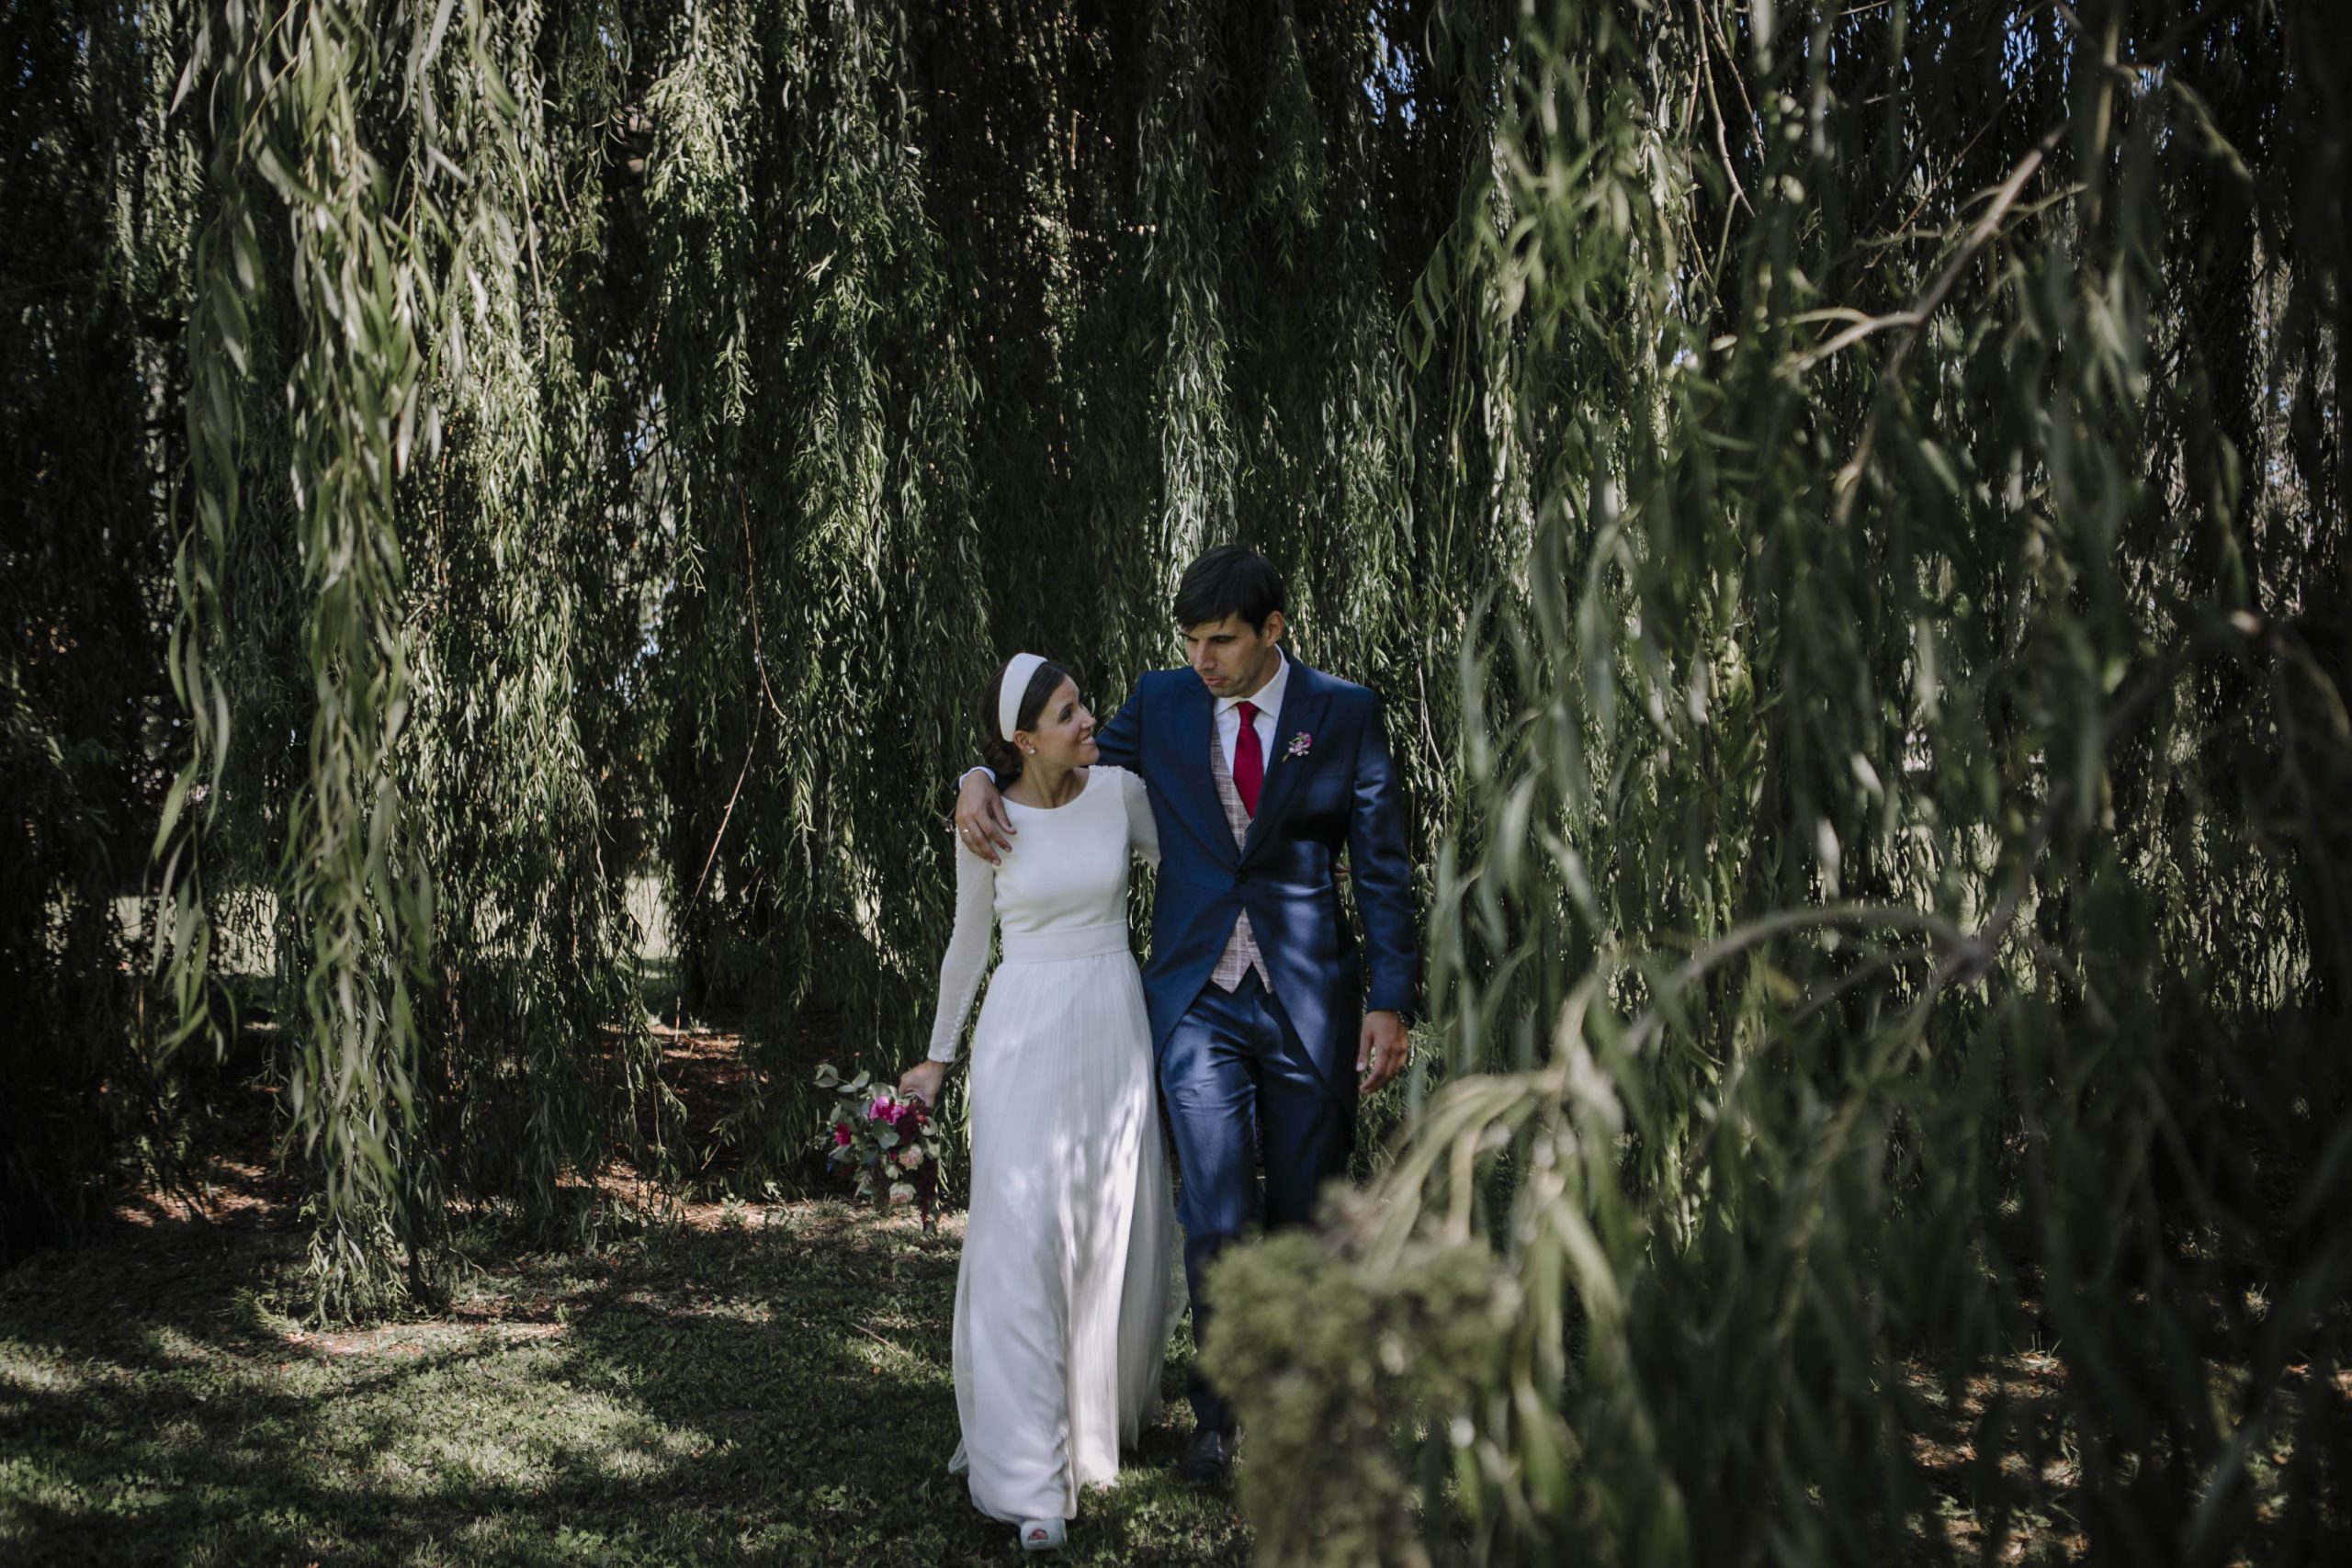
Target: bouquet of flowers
(882, 1138)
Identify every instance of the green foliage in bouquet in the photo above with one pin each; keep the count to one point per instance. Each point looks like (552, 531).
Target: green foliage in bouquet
(881, 1142)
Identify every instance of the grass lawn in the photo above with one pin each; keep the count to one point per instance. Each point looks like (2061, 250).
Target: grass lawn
(767, 1385)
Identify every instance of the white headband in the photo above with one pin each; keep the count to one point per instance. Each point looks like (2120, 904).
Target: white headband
(1019, 671)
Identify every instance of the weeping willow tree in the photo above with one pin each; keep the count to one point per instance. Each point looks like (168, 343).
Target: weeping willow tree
(591, 440)
(1896, 919)
(92, 281)
(409, 573)
(978, 321)
(1844, 503)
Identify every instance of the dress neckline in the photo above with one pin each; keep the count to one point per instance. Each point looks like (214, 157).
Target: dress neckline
(1084, 785)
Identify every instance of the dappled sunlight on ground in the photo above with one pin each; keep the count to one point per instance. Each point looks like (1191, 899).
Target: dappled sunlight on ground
(224, 1191)
(772, 1386)
(2031, 1386)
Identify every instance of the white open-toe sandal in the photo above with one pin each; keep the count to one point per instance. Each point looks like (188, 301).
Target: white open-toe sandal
(1042, 1535)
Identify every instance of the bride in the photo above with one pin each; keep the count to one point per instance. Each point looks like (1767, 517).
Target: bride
(1062, 1300)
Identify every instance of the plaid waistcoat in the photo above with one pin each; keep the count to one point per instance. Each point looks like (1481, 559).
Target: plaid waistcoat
(1242, 954)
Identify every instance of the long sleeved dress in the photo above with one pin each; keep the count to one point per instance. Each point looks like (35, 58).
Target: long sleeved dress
(1062, 1299)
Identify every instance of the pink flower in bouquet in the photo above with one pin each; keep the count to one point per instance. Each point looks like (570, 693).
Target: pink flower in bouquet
(854, 1143)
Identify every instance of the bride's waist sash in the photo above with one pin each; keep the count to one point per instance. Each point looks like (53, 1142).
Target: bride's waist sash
(1061, 943)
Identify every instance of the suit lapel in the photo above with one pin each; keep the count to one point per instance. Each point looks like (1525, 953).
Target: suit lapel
(1302, 713)
(1195, 721)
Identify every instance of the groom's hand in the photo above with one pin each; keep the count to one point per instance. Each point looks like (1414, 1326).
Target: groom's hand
(980, 819)
(1380, 1049)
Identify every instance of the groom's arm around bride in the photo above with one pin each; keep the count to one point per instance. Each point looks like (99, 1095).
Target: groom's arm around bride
(1330, 788)
(1266, 1019)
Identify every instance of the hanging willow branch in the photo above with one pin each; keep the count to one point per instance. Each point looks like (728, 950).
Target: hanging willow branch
(287, 93)
(1874, 941)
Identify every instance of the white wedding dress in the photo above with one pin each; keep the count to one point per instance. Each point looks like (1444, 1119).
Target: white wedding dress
(1063, 1301)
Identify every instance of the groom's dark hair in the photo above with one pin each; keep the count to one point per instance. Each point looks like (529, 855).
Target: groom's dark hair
(1229, 581)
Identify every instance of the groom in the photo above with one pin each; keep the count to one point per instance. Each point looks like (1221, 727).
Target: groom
(1267, 1021)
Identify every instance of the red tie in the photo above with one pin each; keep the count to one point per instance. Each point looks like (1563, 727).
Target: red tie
(1249, 762)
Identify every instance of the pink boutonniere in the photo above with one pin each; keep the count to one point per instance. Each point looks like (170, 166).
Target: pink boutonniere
(1300, 745)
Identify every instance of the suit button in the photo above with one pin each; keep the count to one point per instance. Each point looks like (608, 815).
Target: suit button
(1239, 878)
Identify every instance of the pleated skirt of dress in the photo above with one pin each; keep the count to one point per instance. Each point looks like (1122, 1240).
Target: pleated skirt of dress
(1064, 1298)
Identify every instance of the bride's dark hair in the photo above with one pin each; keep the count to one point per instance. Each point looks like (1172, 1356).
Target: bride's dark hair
(1002, 756)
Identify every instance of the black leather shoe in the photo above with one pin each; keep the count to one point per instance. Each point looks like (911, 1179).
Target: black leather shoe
(1208, 1460)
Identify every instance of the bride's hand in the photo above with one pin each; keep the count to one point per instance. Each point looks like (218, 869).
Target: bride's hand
(921, 1081)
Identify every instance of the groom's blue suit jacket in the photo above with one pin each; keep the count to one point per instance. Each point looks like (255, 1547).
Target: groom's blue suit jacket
(1330, 784)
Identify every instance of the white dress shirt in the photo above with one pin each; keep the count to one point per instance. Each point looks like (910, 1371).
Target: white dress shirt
(1269, 701)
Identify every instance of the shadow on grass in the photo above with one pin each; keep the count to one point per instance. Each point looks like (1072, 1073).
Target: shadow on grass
(772, 1393)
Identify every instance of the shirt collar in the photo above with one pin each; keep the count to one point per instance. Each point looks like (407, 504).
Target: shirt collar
(1268, 697)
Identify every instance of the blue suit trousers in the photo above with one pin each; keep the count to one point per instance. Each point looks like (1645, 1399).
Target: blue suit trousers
(1244, 1095)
